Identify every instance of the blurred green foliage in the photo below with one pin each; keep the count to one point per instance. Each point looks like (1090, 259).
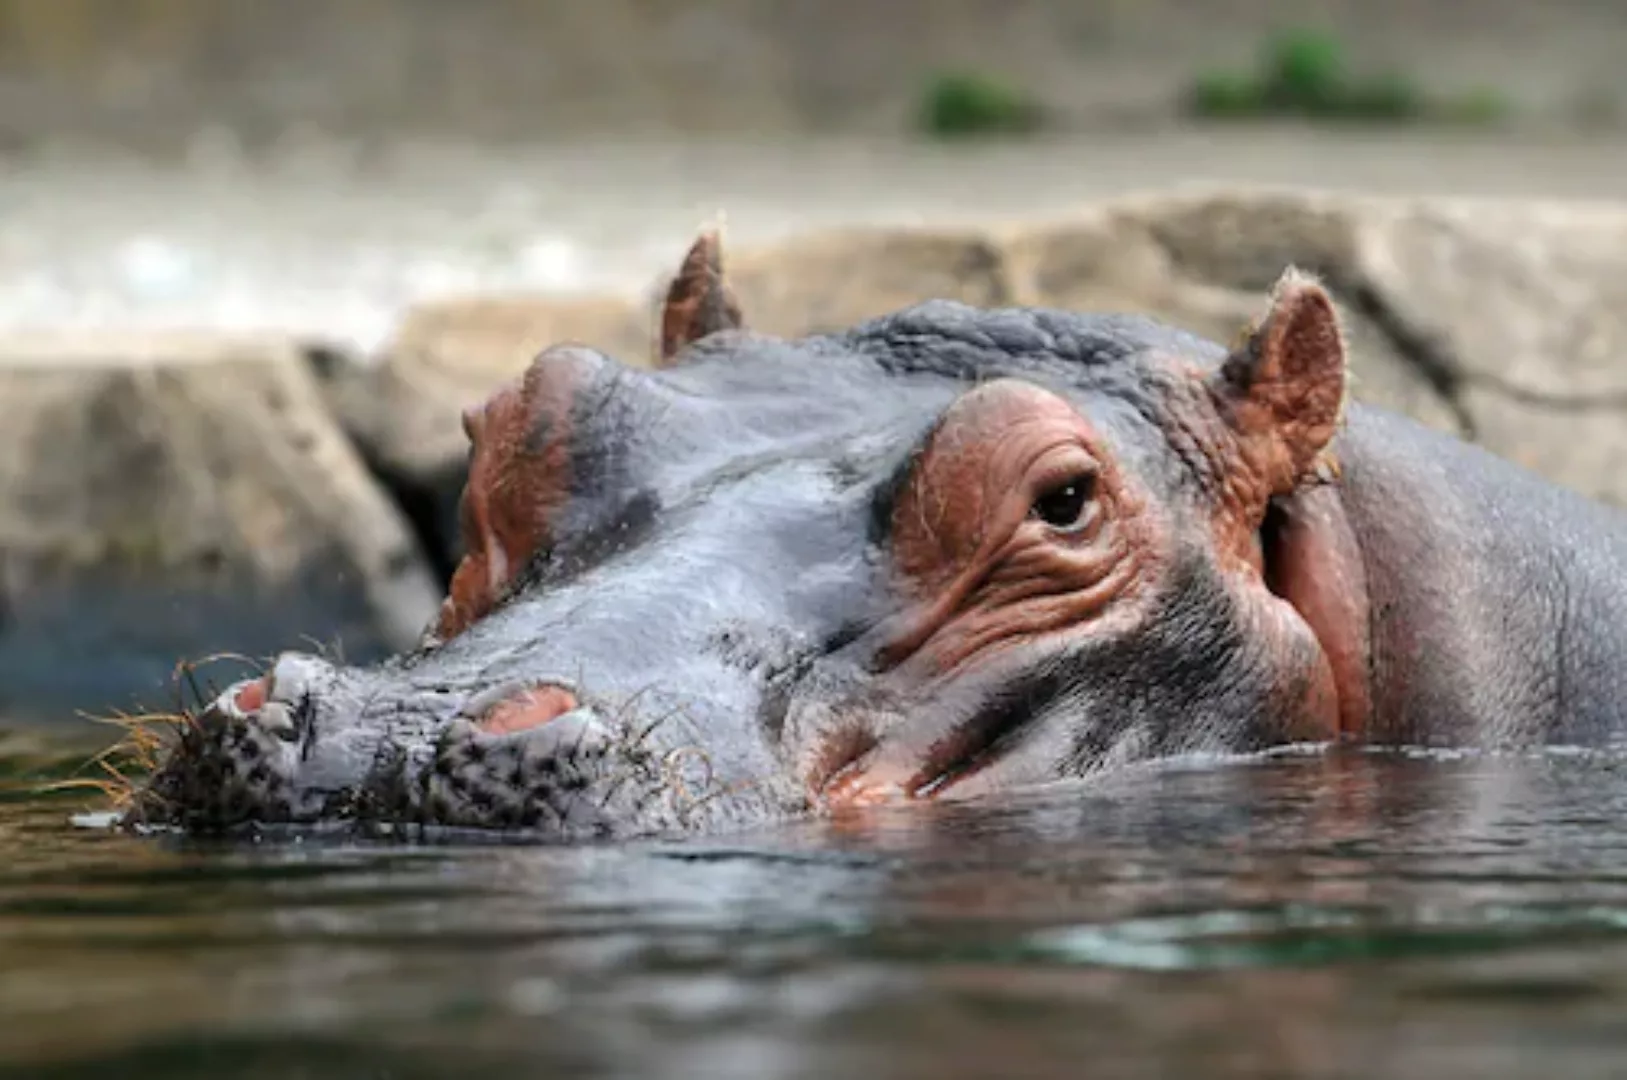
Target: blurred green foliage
(1303, 73)
(963, 104)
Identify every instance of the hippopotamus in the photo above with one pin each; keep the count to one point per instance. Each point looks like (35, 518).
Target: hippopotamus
(941, 554)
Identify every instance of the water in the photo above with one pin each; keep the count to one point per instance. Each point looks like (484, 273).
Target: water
(1302, 914)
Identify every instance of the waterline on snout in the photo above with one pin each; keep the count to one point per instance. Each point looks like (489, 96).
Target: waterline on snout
(1129, 779)
(1107, 780)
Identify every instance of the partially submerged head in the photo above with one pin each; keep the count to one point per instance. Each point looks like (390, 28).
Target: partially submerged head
(945, 551)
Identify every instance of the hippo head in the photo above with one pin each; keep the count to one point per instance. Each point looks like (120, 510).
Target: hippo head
(944, 552)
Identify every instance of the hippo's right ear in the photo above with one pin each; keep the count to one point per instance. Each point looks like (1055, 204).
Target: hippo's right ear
(1282, 389)
(699, 301)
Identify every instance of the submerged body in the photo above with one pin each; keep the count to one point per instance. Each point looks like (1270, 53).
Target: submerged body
(946, 552)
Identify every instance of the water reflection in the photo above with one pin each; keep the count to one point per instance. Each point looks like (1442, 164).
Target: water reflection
(1300, 914)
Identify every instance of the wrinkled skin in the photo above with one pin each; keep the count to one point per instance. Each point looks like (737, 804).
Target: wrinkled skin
(946, 552)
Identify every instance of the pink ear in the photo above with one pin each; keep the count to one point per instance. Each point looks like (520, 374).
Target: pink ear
(1283, 387)
(698, 301)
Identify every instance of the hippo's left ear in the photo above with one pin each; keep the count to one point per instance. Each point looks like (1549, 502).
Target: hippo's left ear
(1282, 389)
(699, 301)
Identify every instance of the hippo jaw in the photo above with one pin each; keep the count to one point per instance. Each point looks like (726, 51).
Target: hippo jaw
(944, 553)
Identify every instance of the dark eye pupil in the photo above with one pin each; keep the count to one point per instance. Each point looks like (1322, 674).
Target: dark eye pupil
(1062, 506)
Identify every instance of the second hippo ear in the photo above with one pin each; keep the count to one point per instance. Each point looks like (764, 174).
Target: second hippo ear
(1282, 388)
(699, 301)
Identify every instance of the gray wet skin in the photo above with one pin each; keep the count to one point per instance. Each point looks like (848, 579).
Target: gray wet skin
(722, 583)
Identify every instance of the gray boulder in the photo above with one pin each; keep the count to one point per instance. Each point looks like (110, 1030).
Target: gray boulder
(163, 499)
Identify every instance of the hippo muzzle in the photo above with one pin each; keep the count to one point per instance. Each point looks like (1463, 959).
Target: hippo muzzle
(629, 691)
(312, 742)
(541, 719)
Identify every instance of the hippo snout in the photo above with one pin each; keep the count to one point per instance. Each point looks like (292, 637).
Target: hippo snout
(311, 742)
(251, 753)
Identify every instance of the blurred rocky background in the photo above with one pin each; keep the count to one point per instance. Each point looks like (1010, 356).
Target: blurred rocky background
(255, 256)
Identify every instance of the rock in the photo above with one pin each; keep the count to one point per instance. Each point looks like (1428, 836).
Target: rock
(1243, 239)
(1205, 263)
(832, 280)
(166, 498)
(1525, 304)
(1528, 295)
(1585, 450)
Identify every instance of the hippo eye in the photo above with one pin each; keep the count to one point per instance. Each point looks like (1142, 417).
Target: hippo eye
(1063, 505)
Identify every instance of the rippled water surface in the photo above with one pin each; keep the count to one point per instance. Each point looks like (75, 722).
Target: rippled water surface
(1305, 914)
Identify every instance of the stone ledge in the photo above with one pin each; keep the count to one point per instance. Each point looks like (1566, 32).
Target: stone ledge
(156, 509)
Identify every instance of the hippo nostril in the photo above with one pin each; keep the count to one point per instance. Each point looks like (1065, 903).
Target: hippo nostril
(532, 708)
(518, 707)
(528, 709)
(249, 697)
(241, 699)
(252, 701)
(273, 701)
